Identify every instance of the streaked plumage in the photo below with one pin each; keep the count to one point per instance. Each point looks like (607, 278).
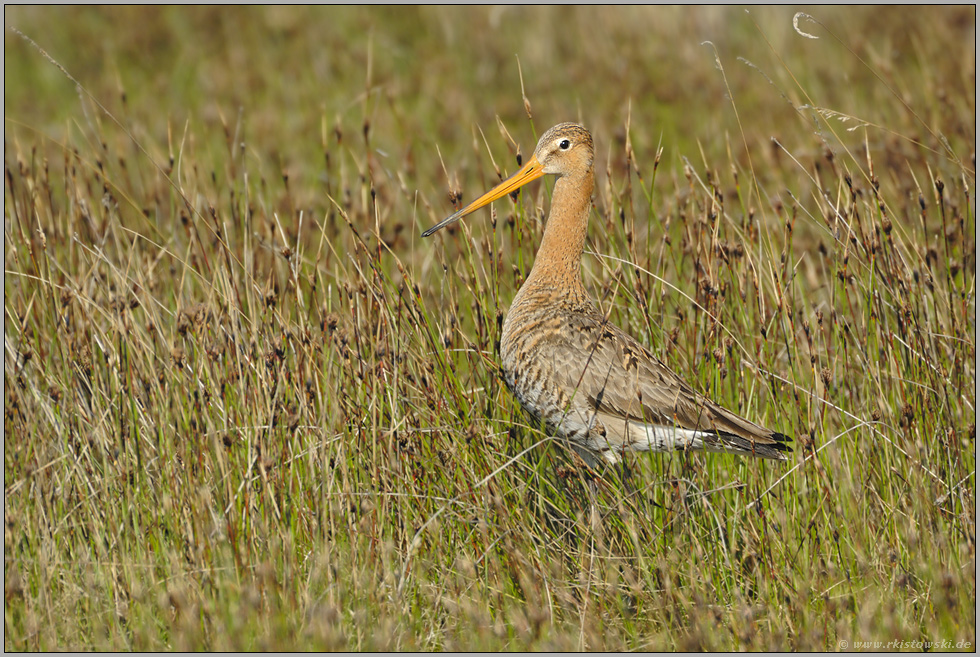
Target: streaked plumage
(588, 381)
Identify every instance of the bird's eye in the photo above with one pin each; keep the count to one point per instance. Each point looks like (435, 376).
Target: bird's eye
(564, 145)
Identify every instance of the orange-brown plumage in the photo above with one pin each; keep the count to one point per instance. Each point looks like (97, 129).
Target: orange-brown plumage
(588, 381)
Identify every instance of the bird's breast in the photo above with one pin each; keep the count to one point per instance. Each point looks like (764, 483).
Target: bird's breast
(536, 363)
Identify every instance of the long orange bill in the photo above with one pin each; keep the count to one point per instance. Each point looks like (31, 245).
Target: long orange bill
(530, 171)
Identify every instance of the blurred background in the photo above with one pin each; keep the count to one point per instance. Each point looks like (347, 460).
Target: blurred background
(426, 77)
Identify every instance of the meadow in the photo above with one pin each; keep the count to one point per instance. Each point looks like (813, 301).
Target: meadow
(248, 407)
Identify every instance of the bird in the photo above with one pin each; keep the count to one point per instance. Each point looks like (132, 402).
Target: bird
(589, 382)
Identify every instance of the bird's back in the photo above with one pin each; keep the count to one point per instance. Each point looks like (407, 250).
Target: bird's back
(597, 387)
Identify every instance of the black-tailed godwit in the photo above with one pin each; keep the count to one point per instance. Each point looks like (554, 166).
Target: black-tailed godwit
(588, 381)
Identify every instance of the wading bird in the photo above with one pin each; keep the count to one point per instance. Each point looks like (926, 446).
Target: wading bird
(588, 381)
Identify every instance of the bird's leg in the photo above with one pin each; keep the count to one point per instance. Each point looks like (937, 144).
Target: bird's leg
(627, 478)
(593, 500)
(588, 469)
(591, 475)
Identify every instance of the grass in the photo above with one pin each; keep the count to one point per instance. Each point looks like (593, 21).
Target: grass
(247, 407)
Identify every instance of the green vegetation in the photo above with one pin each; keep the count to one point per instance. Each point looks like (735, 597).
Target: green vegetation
(246, 406)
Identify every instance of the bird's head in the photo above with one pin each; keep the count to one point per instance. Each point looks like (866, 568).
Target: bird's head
(564, 150)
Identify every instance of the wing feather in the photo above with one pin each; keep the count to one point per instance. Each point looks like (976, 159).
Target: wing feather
(639, 400)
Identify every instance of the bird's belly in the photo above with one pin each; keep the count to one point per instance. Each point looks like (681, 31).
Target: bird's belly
(562, 414)
(534, 361)
(544, 403)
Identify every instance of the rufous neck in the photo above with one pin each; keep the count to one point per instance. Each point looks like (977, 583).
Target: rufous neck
(558, 262)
